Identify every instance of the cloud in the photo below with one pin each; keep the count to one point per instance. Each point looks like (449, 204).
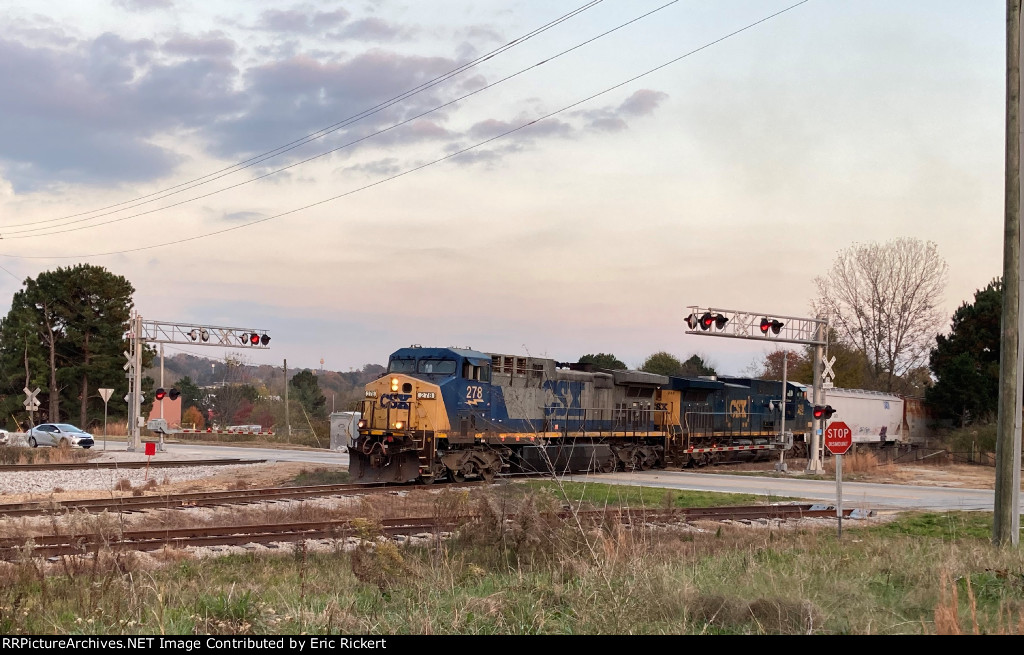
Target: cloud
(642, 103)
(214, 45)
(91, 110)
(301, 20)
(613, 119)
(303, 91)
(608, 124)
(371, 29)
(242, 217)
(381, 168)
(548, 127)
(87, 112)
(143, 5)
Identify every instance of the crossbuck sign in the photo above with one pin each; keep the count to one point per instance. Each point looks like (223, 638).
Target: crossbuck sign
(828, 374)
(31, 400)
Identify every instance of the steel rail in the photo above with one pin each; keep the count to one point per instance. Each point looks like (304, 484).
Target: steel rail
(52, 545)
(128, 504)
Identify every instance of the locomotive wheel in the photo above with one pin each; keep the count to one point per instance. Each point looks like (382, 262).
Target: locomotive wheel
(427, 479)
(456, 476)
(607, 466)
(487, 475)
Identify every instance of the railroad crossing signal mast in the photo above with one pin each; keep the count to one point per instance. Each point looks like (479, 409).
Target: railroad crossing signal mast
(765, 326)
(187, 334)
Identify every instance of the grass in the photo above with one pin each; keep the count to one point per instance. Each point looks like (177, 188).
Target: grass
(981, 438)
(25, 455)
(518, 571)
(319, 476)
(601, 495)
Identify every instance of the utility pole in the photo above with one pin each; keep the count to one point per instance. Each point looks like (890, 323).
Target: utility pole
(1006, 515)
(287, 421)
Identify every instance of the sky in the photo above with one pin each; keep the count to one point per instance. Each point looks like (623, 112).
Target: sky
(543, 178)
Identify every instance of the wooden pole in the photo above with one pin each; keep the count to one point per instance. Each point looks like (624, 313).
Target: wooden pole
(1006, 515)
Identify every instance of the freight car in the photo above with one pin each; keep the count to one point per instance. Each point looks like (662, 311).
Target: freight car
(879, 419)
(458, 413)
(874, 417)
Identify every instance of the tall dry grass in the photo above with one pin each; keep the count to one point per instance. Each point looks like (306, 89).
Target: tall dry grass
(858, 461)
(517, 570)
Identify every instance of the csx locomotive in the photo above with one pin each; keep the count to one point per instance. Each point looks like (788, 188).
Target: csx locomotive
(458, 413)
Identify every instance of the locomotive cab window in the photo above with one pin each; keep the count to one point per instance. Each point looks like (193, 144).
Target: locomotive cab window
(480, 373)
(639, 392)
(437, 366)
(402, 366)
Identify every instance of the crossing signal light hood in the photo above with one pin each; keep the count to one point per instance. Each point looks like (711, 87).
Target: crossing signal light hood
(770, 324)
(823, 412)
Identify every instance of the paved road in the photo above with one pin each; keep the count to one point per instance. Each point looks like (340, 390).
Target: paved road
(214, 451)
(858, 495)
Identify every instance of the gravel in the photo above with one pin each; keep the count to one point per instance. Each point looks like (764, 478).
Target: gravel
(17, 482)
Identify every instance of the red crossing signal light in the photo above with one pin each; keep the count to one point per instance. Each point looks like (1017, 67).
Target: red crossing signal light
(823, 412)
(770, 324)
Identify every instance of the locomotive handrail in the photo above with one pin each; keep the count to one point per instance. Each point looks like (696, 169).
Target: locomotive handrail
(708, 427)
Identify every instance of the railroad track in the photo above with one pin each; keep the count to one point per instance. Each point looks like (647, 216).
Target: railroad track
(55, 545)
(89, 466)
(129, 504)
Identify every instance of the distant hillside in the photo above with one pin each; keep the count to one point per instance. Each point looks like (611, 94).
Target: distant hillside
(343, 390)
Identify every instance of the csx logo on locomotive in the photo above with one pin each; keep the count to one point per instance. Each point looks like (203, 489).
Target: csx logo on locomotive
(395, 400)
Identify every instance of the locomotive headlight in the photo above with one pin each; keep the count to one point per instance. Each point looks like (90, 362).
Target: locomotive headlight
(399, 425)
(394, 384)
(361, 423)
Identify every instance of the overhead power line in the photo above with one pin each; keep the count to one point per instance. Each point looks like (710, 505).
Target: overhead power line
(427, 164)
(34, 232)
(313, 136)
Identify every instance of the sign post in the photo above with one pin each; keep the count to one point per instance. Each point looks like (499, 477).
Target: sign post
(150, 451)
(838, 439)
(105, 395)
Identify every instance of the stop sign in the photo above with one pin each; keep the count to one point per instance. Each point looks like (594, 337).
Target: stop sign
(838, 438)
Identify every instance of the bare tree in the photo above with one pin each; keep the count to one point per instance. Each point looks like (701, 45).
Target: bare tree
(883, 300)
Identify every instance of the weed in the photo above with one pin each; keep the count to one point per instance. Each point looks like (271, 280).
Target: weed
(320, 476)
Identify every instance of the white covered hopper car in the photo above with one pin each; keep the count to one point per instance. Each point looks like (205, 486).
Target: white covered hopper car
(874, 417)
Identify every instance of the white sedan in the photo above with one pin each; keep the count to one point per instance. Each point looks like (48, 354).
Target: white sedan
(58, 434)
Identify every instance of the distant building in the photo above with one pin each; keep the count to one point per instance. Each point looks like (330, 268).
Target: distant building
(171, 411)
